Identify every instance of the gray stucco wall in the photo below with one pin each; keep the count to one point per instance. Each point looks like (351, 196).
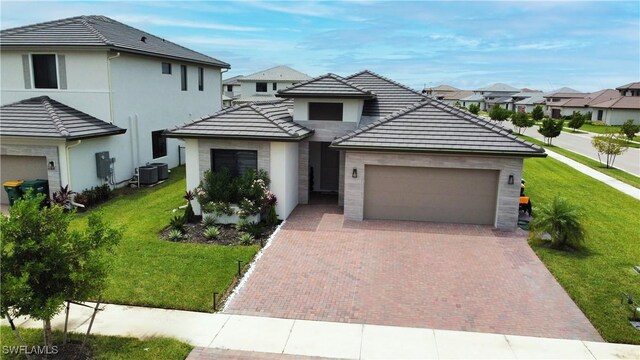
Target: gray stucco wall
(205, 146)
(48, 151)
(507, 203)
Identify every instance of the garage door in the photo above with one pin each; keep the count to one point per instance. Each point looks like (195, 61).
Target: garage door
(21, 168)
(430, 194)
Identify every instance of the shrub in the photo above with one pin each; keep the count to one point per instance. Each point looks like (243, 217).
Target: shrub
(576, 121)
(561, 220)
(611, 145)
(177, 223)
(208, 220)
(175, 235)
(629, 129)
(245, 239)
(521, 121)
(189, 216)
(550, 128)
(537, 113)
(216, 189)
(499, 114)
(211, 232)
(252, 228)
(474, 109)
(252, 192)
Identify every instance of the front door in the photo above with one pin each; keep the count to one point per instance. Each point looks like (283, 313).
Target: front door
(329, 168)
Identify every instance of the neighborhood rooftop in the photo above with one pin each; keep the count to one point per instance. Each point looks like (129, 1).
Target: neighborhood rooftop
(499, 87)
(42, 117)
(91, 31)
(329, 85)
(277, 73)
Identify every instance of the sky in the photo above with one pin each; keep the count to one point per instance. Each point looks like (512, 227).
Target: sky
(467, 44)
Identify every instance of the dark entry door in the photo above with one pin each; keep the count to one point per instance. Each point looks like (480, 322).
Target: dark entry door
(329, 164)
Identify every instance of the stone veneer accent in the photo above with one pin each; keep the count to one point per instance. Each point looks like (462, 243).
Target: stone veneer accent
(507, 204)
(205, 146)
(303, 172)
(48, 151)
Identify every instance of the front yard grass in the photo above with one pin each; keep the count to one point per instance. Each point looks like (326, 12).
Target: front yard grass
(594, 277)
(103, 347)
(151, 272)
(594, 164)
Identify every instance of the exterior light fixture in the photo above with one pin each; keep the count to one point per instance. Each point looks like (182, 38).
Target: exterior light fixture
(511, 179)
(354, 173)
(51, 165)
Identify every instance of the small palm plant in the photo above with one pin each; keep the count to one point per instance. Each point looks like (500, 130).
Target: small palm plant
(562, 221)
(208, 221)
(211, 232)
(175, 235)
(246, 239)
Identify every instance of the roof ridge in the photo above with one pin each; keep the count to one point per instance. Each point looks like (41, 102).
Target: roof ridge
(385, 79)
(350, 84)
(260, 111)
(40, 25)
(271, 68)
(85, 22)
(57, 122)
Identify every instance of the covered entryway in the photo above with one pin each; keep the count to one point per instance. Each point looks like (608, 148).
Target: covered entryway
(465, 196)
(21, 168)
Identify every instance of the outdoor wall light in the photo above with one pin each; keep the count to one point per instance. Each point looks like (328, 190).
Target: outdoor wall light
(51, 165)
(511, 179)
(354, 173)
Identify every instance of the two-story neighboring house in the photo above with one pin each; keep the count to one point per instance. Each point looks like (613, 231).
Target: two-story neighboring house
(621, 108)
(554, 99)
(370, 144)
(76, 88)
(489, 96)
(264, 85)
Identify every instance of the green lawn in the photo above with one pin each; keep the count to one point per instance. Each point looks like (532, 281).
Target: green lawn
(594, 277)
(594, 164)
(104, 347)
(148, 271)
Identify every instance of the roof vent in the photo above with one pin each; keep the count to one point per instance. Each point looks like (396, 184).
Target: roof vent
(143, 39)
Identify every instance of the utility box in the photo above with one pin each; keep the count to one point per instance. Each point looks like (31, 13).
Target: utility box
(103, 164)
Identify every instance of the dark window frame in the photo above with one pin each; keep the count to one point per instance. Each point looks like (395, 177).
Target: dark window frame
(274, 86)
(200, 79)
(229, 88)
(183, 78)
(260, 86)
(322, 111)
(166, 68)
(158, 144)
(42, 78)
(233, 159)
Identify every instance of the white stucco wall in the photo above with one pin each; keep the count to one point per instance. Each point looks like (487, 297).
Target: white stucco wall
(248, 88)
(351, 108)
(192, 155)
(284, 176)
(618, 116)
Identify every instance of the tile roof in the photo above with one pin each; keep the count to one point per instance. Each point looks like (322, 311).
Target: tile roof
(256, 98)
(100, 31)
(265, 121)
(629, 86)
(277, 73)
(232, 80)
(499, 100)
(474, 97)
(442, 88)
(499, 87)
(433, 126)
(536, 99)
(623, 102)
(562, 90)
(526, 94)
(592, 98)
(329, 85)
(457, 95)
(43, 117)
(390, 95)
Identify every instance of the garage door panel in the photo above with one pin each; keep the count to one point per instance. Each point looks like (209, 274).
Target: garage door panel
(21, 168)
(430, 194)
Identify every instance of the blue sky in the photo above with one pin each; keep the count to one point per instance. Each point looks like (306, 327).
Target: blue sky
(543, 45)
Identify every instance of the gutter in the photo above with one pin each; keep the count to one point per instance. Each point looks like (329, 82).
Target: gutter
(109, 58)
(265, 138)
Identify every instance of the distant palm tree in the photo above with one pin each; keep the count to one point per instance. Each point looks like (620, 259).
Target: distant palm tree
(561, 220)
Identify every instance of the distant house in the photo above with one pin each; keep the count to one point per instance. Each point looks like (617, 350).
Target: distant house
(584, 104)
(439, 91)
(230, 89)
(489, 96)
(455, 97)
(370, 144)
(555, 99)
(263, 85)
(85, 100)
(617, 110)
(526, 100)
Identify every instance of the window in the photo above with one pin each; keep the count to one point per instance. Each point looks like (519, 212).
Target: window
(159, 144)
(237, 161)
(275, 86)
(230, 88)
(166, 68)
(325, 111)
(600, 115)
(183, 77)
(45, 75)
(261, 87)
(200, 79)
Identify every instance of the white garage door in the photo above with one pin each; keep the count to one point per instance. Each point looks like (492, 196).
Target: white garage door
(430, 194)
(21, 168)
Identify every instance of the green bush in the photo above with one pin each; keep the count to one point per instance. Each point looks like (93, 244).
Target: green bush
(175, 235)
(177, 223)
(629, 129)
(550, 128)
(576, 121)
(217, 187)
(211, 232)
(245, 239)
(253, 187)
(499, 114)
(537, 113)
(474, 109)
(562, 221)
(252, 228)
(208, 220)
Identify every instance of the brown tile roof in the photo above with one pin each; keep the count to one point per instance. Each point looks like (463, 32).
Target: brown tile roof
(267, 121)
(457, 95)
(592, 98)
(629, 86)
(43, 117)
(623, 102)
(432, 126)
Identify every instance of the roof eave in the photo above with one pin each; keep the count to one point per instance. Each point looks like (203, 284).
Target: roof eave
(440, 151)
(331, 96)
(66, 138)
(177, 135)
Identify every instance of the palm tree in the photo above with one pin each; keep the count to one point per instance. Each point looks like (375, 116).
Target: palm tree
(561, 220)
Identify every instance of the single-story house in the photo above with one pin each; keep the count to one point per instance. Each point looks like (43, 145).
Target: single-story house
(617, 111)
(378, 148)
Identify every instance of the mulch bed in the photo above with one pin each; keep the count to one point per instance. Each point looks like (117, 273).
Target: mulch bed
(194, 233)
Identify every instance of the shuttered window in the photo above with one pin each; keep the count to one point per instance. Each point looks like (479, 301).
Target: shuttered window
(45, 75)
(237, 161)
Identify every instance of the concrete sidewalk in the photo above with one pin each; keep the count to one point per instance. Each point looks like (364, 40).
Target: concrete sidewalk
(614, 183)
(325, 339)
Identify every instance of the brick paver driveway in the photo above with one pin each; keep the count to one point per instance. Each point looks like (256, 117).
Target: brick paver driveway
(443, 276)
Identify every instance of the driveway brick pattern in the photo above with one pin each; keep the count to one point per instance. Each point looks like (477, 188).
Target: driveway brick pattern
(441, 276)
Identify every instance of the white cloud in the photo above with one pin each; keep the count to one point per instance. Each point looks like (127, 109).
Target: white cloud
(154, 20)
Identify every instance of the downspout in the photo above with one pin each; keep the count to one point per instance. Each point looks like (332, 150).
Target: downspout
(66, 154)
(117, 55)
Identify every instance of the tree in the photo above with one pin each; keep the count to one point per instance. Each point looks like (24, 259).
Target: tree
(576, 121)
(474, 109)
(562, 221)
(611, 145)
(629, 129)
(550, 128)
(457, 104)
(521, 121)
(44, 263)
(499, 114)
(537, 114)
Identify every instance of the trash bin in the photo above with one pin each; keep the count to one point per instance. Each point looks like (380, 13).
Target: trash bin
(39, 186)
(13, 190)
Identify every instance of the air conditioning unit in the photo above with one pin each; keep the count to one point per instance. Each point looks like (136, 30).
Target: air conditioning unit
(163, 170)
(148, 175)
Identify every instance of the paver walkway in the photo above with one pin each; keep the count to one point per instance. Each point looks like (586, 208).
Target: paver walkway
(410, 274)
